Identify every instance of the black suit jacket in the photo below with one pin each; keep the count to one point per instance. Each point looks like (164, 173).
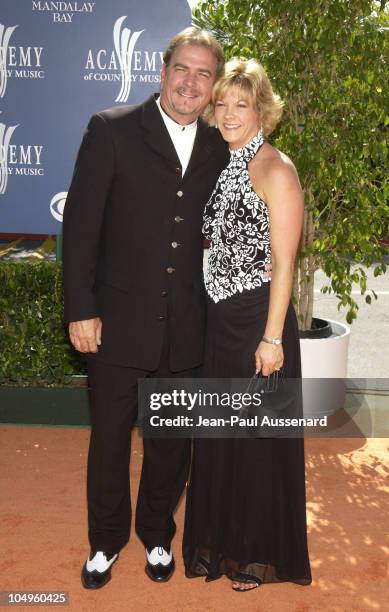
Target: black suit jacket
(132, 242)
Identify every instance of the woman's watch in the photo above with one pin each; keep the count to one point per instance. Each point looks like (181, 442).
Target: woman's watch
(276, 341)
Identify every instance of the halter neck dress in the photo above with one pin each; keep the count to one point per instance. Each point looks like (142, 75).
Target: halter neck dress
(236, 222)
(245, 508)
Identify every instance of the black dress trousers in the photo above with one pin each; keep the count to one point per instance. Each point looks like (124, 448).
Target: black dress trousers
(165, 469)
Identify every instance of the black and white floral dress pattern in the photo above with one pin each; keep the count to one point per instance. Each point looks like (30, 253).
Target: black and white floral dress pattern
(236, 222)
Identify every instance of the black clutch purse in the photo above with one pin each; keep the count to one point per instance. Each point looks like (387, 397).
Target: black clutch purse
(281, 405)
(263, 385)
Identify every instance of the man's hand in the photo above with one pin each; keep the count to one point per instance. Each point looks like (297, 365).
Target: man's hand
(86, 335)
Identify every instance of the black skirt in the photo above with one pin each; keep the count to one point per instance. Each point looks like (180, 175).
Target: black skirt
(245, 509)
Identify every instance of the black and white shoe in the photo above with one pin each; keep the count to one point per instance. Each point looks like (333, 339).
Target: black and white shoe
(160, 564)
(97, 569)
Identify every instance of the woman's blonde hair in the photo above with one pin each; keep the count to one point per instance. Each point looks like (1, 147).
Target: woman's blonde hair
(250, 77)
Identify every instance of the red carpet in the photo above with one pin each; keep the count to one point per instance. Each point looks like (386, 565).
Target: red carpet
(43, 541)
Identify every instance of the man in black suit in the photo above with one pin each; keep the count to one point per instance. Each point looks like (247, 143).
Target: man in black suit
(133, 289)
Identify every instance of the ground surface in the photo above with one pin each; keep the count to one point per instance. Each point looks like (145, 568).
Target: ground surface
(43, 540)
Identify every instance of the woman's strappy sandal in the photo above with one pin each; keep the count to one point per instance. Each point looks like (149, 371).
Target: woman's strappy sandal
(246, 579)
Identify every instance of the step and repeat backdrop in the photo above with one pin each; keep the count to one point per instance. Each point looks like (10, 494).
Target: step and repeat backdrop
(60, 62)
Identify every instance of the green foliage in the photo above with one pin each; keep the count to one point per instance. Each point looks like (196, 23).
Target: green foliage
(328, 61)
(33, 340)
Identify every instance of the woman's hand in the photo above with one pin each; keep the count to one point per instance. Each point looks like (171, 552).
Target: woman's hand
(268, 358)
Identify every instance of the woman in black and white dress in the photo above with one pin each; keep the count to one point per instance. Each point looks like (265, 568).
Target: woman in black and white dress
(245, 513)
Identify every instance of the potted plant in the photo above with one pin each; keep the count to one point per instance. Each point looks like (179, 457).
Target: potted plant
(327, 61)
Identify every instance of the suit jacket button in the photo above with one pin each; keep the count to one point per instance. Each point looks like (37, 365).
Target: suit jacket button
(170, 270)
(175, 244)
(161, 317)
(178, 170)
(180, 193)
(178, 219)
(164, 293)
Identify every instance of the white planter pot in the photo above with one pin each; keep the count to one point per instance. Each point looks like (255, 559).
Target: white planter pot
(325, 360)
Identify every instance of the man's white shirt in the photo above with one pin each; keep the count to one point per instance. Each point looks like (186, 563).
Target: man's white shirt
(183, 137)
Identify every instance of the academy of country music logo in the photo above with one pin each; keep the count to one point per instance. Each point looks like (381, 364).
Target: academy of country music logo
(17, 160)
(5, 141)
(57, 205)
(16, 61)
(123, 63)
(63, 12)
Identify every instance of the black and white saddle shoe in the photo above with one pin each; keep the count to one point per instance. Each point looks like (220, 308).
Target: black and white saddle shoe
(97, 569)
(160, 564)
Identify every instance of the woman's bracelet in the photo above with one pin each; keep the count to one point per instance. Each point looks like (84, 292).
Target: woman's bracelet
(276, 341)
